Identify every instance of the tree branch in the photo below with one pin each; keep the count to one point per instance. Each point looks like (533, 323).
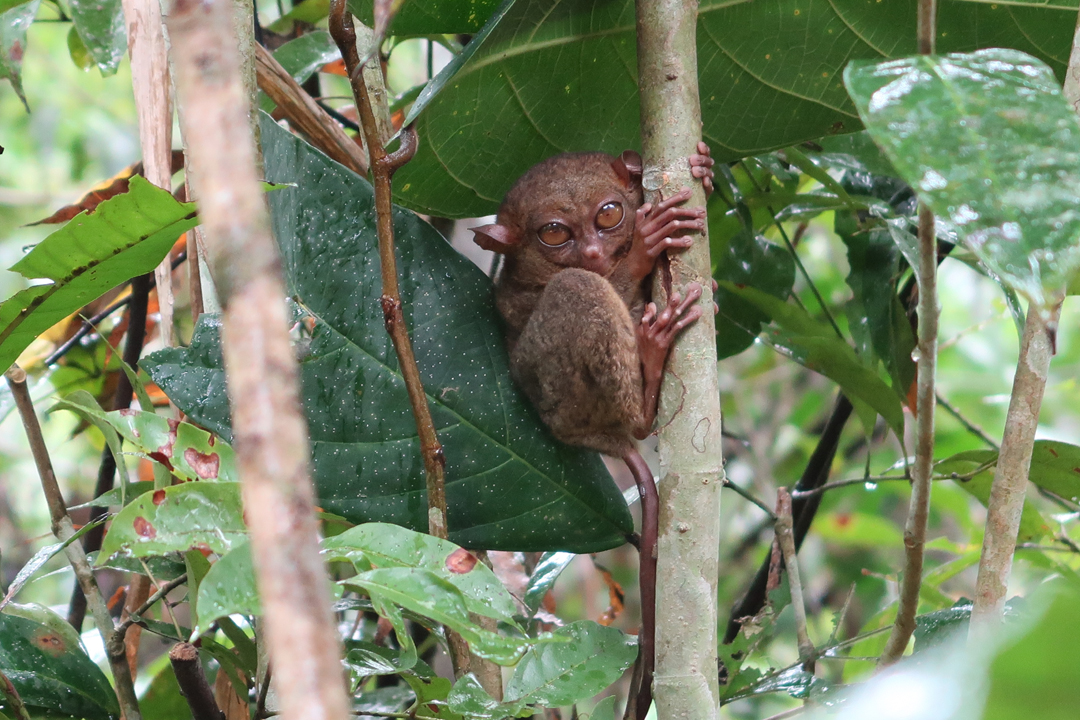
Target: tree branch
(786, 540)
(269, 429)
(63, 529)
(184, 659)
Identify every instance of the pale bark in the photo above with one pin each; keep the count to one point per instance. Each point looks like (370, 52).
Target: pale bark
(269, 430)
(691, 465)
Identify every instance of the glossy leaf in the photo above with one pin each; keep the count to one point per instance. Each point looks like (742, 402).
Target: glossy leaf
(127, 235)
(86, 405)
(563, 673)
(470, 699)
(228, 589)
(425, 593)
(991, 145)
(100, 24)
(1055, 466)
(14, 22)
(379, 545)
(205, 515)
(41, 557)
(747, 261)
(303, 56)
(770, 77)
(933, 629)
(816, 347)
(546, 572)
(509, 484)
(42, 656)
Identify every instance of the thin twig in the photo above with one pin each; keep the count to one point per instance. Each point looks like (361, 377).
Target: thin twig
(786, 540)
(63, 529)
(161, 592)
(192, 681)
(749, 497)
(872, 479)
(926, 370)
(971, 427)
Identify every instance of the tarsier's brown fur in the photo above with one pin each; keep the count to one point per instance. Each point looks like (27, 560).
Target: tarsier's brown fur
(584, 344)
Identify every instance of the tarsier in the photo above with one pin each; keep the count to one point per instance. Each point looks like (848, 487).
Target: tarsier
(586, 346)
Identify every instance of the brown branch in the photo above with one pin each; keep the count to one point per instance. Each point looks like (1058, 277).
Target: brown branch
(269, 429)
(63, 529)
(785, 538)
(193, 684)
(383, 166)
(136, 615)
(304, 114)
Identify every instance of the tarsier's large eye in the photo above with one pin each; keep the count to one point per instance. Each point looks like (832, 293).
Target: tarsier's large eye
(554, 234)
(610, 215)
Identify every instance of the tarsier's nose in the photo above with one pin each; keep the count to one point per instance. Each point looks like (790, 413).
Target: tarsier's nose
(592, 252)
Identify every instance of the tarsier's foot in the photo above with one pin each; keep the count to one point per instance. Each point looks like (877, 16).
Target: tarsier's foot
(657, 332)
(701, 166)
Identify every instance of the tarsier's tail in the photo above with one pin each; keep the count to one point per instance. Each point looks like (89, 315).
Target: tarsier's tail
(637, 706)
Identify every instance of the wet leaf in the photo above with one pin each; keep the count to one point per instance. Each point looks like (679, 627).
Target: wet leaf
(228, 589)
(933, 629)
(126, 236)
(546, 572)
(431, 17)
(42, 656)
(988, 141)
(1055, 466)
(509, 486)
(769, 73)
(563, 673)
(816, 347)
(41, 557)
(13, 25)
(100, 24)
(78, 52)
(203, 515)
(470, 699)
(379, 545)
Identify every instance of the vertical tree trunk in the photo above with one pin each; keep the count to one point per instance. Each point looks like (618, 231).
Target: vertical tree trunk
(691, 465)
(270, 434)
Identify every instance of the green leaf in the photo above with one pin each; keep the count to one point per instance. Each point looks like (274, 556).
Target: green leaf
(127, 235)
(41, 557)
(425, 593)
(162, 699)
(509, 484)
(769, 74)
(746, 260)
(100, 24)
(859, 530)
(564, 673)
(430, 17)
(228, 589)
(605, 709)
(42, 656)
(379, 545)
(933, 629)
(1055, 466)
(78, 52)
(303, 56)
(194, 514)
(1032, 525)
(470, 699)
(546, 572)
(14, 22)
(118, 496)
(816, 347)
(990, 144)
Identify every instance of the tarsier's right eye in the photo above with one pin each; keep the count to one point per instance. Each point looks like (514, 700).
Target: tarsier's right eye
(554, 234)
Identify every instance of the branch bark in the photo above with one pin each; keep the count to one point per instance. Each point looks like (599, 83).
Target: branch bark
(785, 539)
(63, 529)
(184, 659)
(691, 465)
(269, 430)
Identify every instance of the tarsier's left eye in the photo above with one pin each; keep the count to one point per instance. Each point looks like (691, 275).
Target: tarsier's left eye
(610, 215)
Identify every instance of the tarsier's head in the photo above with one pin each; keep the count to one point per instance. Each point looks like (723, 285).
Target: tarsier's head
(573, 210)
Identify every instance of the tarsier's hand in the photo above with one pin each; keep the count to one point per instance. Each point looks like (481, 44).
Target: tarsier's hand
(701, 167)
(656, 331)
(655, 227)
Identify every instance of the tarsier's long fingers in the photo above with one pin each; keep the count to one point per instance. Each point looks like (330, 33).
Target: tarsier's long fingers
(701, 167)
(685, 311)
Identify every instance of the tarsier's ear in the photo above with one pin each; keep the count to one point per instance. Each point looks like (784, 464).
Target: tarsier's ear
(496, 238)
(628, 167)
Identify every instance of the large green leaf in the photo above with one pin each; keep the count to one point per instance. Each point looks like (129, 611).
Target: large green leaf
(100, 24)
(431, 17)
(228, 589)
(769, 75)
(42, 656)
(14, 22)
(127, 235)
(509, 485)
(1032, 524)
(988, 141)
(205, 515)
(816, 347)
